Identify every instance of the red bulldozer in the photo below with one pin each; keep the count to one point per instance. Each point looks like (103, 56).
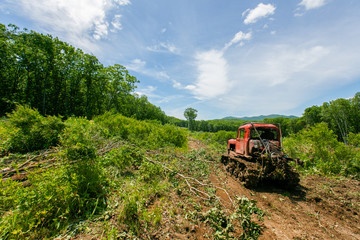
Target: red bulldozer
(256, 157)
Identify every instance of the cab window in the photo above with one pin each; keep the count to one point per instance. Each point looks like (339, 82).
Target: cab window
(242, 133)
(264, 133)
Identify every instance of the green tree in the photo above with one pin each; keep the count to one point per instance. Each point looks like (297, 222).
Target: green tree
(338, 113)
(190, 114)
(57, 79)
(312, 115)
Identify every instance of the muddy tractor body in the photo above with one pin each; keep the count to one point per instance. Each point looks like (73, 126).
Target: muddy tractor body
(256, 156)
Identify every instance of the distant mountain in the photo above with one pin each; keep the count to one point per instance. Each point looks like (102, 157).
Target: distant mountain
(260, 118)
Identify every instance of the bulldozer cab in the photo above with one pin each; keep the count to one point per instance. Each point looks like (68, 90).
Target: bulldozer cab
(264, 133)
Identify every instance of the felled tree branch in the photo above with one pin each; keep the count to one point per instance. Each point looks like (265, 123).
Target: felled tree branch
(193, 189)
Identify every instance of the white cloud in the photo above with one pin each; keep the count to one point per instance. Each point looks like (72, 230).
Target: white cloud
(279, 78)
(100, 29)
(136, 65)
(281, 67)
(311, 4)
(261, 11)
(164, 47)
(148, 91)
(80, 22)
(238, 38)
(123, 2)
(212, 75)
(116, 23)
(163, 75)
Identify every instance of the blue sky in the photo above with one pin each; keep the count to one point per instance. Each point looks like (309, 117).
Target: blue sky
(221, 57)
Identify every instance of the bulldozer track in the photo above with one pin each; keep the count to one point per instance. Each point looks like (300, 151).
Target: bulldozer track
(264, 170)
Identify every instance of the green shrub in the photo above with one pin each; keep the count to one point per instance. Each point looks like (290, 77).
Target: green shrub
(38, 211)
(223, 136)
(318, 147)
(245, 210)
(83, 171)
(225, 223)
(220, 137)
(123, 158)
(150, 172)
(27, 130)
(354, 139)
(142, 133)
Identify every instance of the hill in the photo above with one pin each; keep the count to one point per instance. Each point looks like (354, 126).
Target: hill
(261, 117)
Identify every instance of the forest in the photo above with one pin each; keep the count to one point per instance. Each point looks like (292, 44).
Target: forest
(57, 79)
(82, 155)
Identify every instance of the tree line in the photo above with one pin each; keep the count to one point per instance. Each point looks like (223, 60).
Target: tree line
(58, 79)
(341, 115)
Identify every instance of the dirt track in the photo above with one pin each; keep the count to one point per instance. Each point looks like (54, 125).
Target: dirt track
(320, 208)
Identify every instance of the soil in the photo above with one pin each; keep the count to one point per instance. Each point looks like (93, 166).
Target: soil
(318, 208)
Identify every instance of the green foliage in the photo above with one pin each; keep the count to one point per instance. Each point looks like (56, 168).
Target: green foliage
(87, 171)
(123, 158)
(135, 195)
(354, 139)
(150, 172)
(225, 223)
(83, 171)
(246, 208)
(197, 165)
(78, 139)
(58, 79)
(190, 114)
(220, 222)
(216, 142)
(33, 211)
(318, 147)
(141, 133)
(341, 115)
(44, 208)
(26, 130)
(288, 125)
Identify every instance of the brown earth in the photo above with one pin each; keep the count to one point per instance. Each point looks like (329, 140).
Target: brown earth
(319, 208)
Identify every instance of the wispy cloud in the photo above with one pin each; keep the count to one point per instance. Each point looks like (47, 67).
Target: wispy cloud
(239, 37)
(123, 2)
(261, 11)
(164, 47)
(148, 91)
(279, 77)
(116, 23)
(308, 5)
(311, 4)
(136, 65)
